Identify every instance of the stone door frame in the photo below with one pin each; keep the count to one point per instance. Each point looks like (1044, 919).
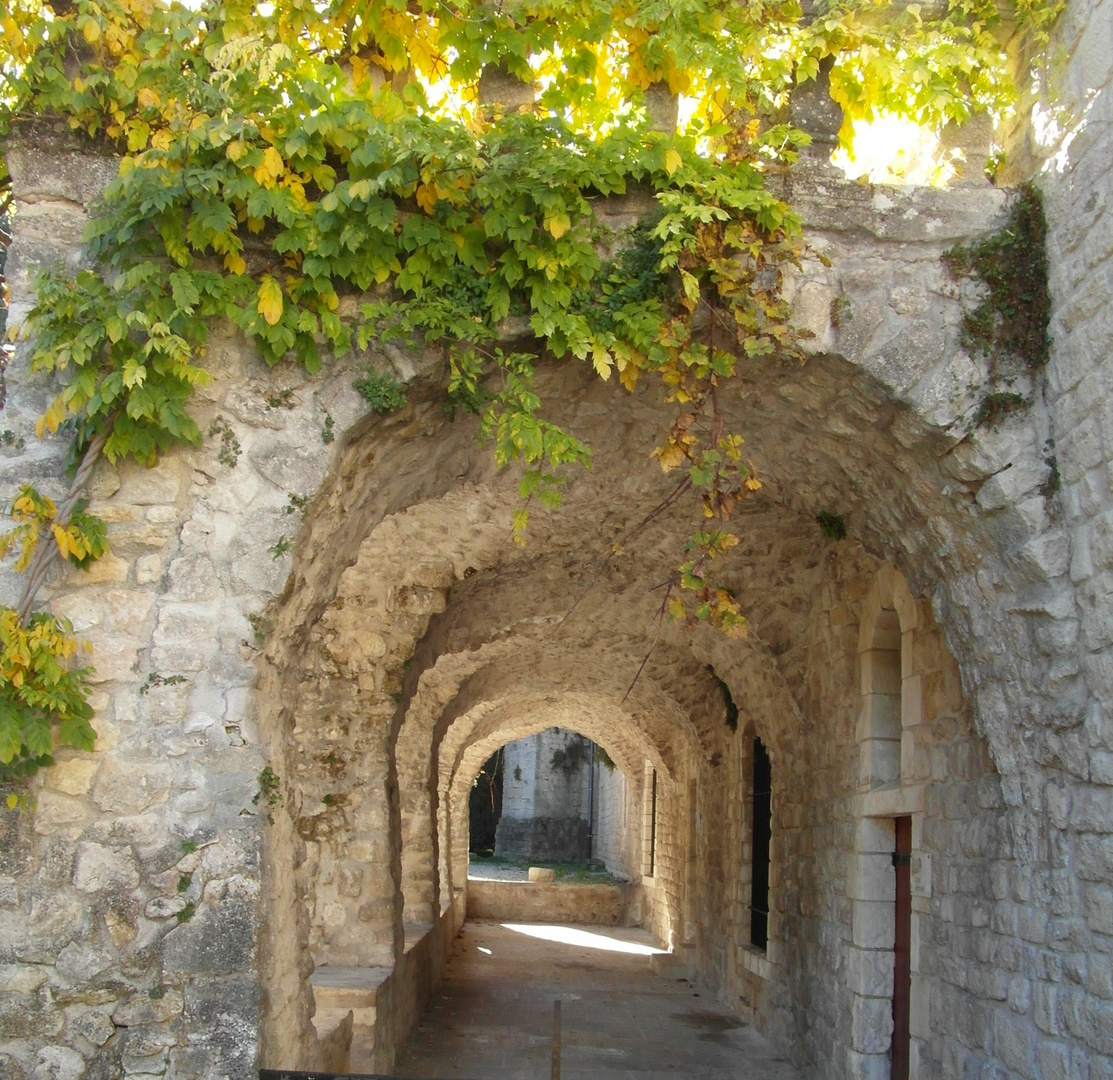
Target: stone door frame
(892, 706)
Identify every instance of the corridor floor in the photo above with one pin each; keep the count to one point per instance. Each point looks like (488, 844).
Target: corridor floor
(492, 1016)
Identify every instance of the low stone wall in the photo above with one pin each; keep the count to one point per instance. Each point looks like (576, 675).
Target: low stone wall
(536, 901)
(365, 1014)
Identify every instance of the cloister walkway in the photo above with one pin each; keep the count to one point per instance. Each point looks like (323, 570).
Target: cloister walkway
(492, 1017)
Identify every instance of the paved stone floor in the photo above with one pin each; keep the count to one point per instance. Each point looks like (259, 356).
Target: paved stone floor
(492, 1017)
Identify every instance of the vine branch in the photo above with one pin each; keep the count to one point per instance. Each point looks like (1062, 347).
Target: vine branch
(47, 552)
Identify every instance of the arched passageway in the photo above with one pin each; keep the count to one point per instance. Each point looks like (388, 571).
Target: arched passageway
(420, 638)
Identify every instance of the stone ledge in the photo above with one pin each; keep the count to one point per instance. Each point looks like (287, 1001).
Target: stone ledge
(337, 987)
(532, 901)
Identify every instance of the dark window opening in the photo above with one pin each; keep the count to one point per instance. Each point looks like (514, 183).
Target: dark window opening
(485, 806)
(653, 826)
(762, 827)
(902, 950)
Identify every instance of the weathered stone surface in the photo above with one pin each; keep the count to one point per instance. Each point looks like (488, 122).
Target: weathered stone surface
(127, 788)
(103, 869)
(22, 1014)
(222, 1017)
(216, 941)
(157, 1006)
(73, 777)
(58, 1063)
(93, 1025)
(55, 920)
(81, 962)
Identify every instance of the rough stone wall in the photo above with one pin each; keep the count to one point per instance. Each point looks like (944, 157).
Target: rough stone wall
(130, 921)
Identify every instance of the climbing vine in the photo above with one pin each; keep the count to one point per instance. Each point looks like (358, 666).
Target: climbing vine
(1008, 325)
(276, 160)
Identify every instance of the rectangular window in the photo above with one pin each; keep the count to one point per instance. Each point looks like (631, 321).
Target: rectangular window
(653, 826)
(762, 831)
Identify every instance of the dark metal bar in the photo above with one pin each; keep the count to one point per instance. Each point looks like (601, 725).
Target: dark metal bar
(760, 836)
(556, 1039)
(902, 950)
(302, 1074)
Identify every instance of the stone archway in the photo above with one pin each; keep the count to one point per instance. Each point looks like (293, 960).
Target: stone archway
(440, 640)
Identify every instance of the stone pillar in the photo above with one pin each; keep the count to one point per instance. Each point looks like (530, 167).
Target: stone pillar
(498, 88)
(662, 106)
(814, 111)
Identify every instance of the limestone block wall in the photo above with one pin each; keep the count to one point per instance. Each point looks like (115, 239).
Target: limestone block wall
(130, 920)
(615, 836)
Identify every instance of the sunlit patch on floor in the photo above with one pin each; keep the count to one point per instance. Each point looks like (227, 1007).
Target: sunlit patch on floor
(586, 939)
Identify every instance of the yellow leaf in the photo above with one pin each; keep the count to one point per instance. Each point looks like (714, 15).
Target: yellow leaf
(148, 97)
(753, 483)
(13, 33)
(670, 455)
(691, 285)
(426, 197)
(52, 419)
(137, 135)
(602, 361)
(64, 541)
(162, 139)
(629, 376)
(234, 150)
(233, 263)
(673, 161)
(12, 801)
(558, 224)
(271, 168)
(270, 300)
(91, 31)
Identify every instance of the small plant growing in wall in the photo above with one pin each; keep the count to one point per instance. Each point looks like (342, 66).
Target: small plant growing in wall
(155, 679)
(382, 392)
(229, 452)
(281, 399)
(269, 793)
(1054, 479)
(1008, 326)
(831, 525)
(997, 405)
(260, 627)
(728, 699)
